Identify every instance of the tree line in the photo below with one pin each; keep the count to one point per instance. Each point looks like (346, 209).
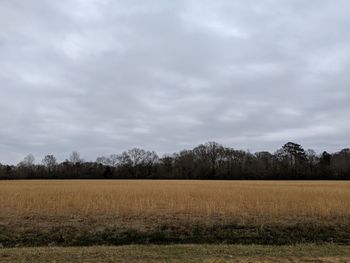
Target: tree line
(207, 161)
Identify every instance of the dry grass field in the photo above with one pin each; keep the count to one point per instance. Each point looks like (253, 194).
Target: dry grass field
(125, 212)
(234, 199)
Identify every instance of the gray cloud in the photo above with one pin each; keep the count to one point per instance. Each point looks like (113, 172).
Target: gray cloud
(102, 76)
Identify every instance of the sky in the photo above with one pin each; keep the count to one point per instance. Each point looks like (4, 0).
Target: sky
(104, 76)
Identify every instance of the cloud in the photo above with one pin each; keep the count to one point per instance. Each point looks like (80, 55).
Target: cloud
(104, 76)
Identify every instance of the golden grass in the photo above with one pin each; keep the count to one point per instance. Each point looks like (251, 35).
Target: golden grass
(233, 199)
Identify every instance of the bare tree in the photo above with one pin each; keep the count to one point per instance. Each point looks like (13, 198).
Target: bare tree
(113, 158)
(102, 160)
(311, 156)
(50, 162)
(209, 157)
(137, 156)
(28, 161)
(74, 158)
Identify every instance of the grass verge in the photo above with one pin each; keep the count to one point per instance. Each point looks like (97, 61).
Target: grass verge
(180, 253)
(122, 231)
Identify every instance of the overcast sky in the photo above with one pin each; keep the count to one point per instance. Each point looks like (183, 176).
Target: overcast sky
(103, 76)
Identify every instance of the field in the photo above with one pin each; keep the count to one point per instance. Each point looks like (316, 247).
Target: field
(99, 213)
(236, 200)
